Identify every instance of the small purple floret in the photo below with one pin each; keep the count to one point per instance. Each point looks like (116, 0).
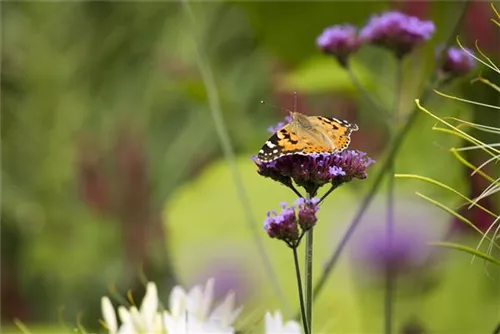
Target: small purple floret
(336, 171)
(397, 31)
(285, 225)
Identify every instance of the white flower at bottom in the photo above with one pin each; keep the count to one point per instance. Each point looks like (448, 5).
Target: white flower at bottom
(274, 325)
(190, 313)
(147, 320)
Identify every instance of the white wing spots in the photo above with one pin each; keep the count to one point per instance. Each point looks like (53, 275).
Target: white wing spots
(270, 145)
(275, 151)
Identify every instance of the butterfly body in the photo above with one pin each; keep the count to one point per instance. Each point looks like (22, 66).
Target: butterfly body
(308, 135)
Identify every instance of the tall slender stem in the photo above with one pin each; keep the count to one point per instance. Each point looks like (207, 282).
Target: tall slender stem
(308, 276)
(227, 147)
(393, 150)
(301, 293)
(359, 86)
(389, 283)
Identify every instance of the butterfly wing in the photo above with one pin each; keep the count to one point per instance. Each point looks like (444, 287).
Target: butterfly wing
(291, 139)
(337, 132)
(319, 135)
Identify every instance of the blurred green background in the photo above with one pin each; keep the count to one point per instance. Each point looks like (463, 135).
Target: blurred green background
(113, 173)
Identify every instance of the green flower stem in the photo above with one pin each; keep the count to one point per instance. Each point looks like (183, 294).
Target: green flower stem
(359, 86)
(301, 293)
(393, 150)
(225, 140)
(389, 282)
(308, 276)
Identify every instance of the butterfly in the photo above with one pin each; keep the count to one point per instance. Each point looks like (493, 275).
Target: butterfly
(307, 135)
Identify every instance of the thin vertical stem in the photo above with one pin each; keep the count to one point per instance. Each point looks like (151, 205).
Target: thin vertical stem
(389, 286)
(301, 293)
(359, 86)
(308, 276)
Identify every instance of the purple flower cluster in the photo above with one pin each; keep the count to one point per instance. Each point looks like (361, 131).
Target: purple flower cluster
(339, 41)
(397, 31)
(285, 225)
(457, 61)
(394, 30)
(314, 171)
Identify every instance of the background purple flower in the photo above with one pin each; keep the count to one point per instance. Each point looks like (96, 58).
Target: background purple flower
(397, 31)
(339, 41)
(415, 226)
(457, 62)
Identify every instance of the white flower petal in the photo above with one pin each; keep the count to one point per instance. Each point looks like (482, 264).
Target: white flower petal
(124, 315)
(137, 320)
(177, 325)
(273, 324)
(224, 312)
(207, 299)
(177, 302)
(292, 327)
(109, 315)
(149, 305)
(194, 302)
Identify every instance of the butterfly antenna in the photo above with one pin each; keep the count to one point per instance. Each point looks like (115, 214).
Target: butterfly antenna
(294, 101)
(275, 106)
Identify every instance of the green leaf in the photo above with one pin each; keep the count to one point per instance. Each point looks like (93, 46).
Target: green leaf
(469, 250)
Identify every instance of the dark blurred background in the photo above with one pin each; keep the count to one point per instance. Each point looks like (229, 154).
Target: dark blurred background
(113, 172)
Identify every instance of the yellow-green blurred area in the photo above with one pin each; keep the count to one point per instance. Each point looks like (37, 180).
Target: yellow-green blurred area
(114, 173)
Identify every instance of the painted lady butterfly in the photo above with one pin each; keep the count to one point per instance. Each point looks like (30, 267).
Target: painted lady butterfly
(307, 135)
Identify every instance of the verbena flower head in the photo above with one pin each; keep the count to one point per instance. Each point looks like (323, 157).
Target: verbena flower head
(285, 225)
(457, 62)
(315, 170)
(397, 31)
(274, 324)
(339, 41)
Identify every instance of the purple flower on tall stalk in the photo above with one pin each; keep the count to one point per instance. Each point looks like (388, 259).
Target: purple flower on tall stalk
(285, 225)
(315, 170)
(397, 31)
(339, 41)
(457, 62)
